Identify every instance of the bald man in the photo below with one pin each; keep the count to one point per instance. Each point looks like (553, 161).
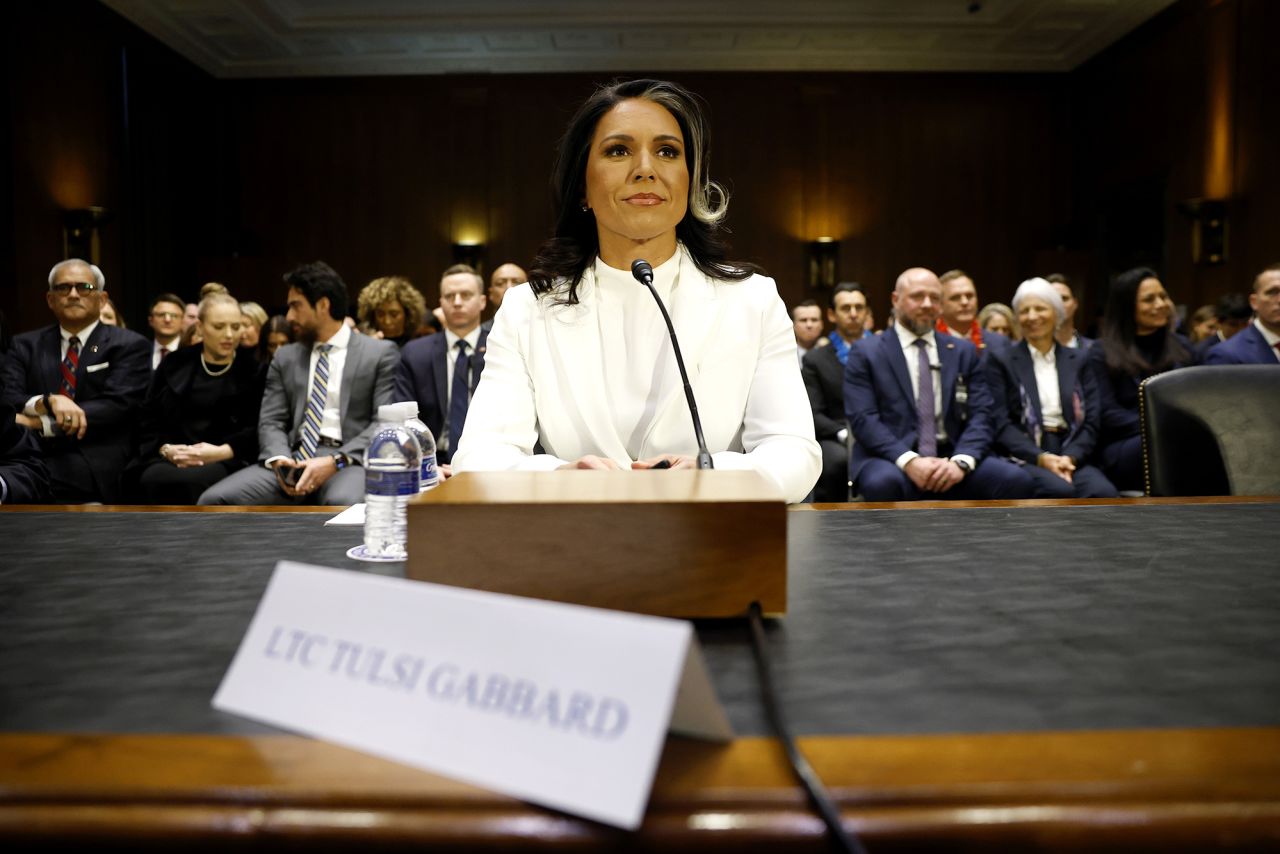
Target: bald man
(920, 409)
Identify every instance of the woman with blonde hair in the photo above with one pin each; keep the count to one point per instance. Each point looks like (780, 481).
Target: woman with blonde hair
(200, 419)
(391, 308)
(255, 317)
(998, 317)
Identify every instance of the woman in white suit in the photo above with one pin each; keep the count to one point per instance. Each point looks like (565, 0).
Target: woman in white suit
(579, 361)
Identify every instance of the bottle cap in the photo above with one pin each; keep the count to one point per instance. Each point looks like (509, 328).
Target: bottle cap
(391, 412)
(410, 408)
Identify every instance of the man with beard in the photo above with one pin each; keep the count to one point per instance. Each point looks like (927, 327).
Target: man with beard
(921, 413)
(320, 407)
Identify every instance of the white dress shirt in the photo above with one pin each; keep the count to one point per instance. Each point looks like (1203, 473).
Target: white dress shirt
(1045, 366)
(156, 347)
(331, 419)
(450, 359)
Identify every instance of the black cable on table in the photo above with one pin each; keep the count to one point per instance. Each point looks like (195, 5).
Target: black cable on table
(818, 794)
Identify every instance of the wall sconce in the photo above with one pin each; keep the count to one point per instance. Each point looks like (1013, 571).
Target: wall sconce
(1208, 230)
(470, 254)
(822, 257)
(80, 233)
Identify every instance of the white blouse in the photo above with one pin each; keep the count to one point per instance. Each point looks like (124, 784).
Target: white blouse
(599, 377)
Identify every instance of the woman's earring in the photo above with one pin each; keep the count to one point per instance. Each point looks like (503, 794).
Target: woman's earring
(585, 208)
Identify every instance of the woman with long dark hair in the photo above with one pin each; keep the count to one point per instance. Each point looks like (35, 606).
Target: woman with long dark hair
(579, 360)
(1137, 341)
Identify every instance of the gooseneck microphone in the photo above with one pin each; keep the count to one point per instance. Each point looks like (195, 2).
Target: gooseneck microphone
(643, 273)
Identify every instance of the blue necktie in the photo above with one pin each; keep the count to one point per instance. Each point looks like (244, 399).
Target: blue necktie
(315, 406)
(459, 394)
(926, 423)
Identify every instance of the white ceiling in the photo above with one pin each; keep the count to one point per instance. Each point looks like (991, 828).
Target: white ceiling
(321, 38)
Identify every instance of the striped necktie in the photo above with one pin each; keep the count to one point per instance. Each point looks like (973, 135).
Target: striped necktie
(69, 365)
(315, 405)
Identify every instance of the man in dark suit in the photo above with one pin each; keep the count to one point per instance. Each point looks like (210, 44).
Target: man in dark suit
(77, 386)
(320, 407)
(959, 313)
(1259, 342)
(823, 373)
(920, 409)
(23, 476)
(441, 371)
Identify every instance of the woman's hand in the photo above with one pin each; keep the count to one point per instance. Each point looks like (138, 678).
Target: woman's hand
(673, 461)
(592, 462)
(188, 456)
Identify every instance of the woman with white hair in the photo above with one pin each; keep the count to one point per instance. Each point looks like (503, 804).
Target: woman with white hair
(1046, 401)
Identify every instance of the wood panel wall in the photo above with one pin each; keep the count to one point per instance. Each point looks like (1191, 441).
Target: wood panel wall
(1004, 175)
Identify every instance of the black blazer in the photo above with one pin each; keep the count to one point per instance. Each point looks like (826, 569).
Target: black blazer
(1014, 388)
(824, 382)
(422, 376)
(21, 466)
(169, 417)
(1118, 394)
(111, 381)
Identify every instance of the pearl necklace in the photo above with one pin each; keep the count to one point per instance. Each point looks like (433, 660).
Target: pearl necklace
(205, 365)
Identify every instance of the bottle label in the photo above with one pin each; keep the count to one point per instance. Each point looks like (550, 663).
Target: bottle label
(391, 483)
(430, 474)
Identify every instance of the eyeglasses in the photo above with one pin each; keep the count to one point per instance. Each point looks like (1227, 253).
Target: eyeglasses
(64, 288)
(165, 315)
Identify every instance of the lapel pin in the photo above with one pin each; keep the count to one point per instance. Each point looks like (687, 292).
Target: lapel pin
(950, 346)
(93, 349)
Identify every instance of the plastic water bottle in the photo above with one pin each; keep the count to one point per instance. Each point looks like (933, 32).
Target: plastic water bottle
(392, 468)
(430, 474)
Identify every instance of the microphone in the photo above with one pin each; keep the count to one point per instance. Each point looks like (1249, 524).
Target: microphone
(643, 273)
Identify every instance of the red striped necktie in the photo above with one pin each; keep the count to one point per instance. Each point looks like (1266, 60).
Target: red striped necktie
(69, 365)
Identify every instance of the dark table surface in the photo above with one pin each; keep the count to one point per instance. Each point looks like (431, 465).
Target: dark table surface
(900, 621)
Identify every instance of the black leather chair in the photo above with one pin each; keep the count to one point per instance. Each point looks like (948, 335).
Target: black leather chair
(1212, 430)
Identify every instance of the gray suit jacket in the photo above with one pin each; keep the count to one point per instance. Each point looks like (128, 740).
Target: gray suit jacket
(368, 380)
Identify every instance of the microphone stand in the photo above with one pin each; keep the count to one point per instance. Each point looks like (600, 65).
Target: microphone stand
(643, 274)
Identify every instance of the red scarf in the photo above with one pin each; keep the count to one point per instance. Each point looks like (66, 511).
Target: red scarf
(975, 334)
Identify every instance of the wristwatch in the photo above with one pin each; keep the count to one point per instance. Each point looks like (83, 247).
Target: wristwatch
(963, 465)
(341, 461)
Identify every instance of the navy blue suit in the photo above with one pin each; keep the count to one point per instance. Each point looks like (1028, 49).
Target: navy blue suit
(422, 375)
(1119, 452)
(111, 381)
(1017, 411)
(881, 409)
(1246, 347)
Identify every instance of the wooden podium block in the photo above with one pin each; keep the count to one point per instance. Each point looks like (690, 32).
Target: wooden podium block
(671, 543)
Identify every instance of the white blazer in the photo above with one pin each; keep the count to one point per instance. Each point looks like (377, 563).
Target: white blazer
(543, 382)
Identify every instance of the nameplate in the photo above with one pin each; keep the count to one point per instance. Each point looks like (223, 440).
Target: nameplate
(560, 705)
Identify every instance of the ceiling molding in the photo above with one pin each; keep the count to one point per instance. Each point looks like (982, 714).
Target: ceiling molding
(326, 38)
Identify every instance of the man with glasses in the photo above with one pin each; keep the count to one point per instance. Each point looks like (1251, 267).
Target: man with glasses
(165, 319)
(77, 385)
